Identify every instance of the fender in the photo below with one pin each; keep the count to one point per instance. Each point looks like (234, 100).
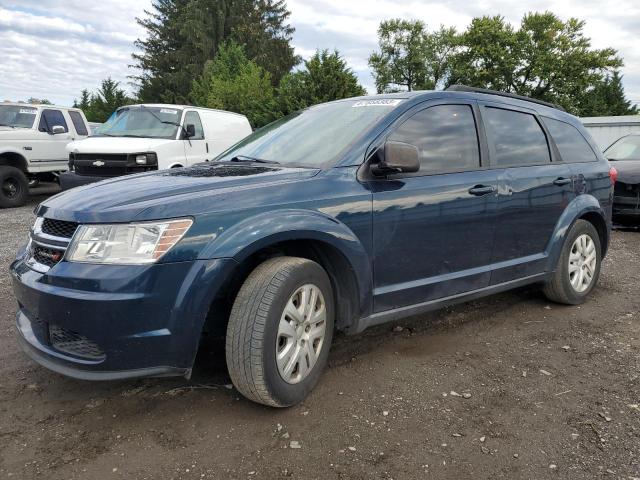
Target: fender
(262, 230)
(579, 206)
(14, 152)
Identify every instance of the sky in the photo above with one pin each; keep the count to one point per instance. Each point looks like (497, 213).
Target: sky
(51, 49)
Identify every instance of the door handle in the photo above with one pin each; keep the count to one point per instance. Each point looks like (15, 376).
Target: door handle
(560, 181)
(480, 190)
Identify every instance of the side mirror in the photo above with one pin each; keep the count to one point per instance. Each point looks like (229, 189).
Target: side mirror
(191, 130)
(57, 129)
(397, 157)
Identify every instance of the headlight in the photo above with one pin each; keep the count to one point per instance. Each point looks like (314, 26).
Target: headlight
(141, 159)
(126, 244)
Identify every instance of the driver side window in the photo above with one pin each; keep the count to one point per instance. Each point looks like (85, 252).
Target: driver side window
(51, 118)
(445, 136)
(194, 119)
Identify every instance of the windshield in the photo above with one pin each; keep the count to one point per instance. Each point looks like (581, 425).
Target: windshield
(627, 148)
(314, 137)
(143, 122)
(17, 116)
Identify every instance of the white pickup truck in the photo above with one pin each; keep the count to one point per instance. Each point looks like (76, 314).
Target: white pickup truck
(33, 140)
(140, 138)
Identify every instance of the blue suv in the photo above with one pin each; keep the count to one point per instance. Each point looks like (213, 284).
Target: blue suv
(339, 217)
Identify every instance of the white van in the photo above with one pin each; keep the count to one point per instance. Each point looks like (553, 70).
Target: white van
(33, 140)
(139, 138)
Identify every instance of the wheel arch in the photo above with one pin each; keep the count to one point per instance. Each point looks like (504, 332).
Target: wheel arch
(14, 159)
(583, 207)
(298, 234)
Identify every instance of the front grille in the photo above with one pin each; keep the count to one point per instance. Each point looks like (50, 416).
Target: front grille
(46, 256)
(67, 341)
(59, 228)
(104, 157)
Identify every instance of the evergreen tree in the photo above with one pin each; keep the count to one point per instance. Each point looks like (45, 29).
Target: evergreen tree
(99, 106)
(233, 82)
(607, 97)
(325, 77)
(183, 35)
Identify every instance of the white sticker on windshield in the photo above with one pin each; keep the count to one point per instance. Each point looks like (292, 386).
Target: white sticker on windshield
(383, 102)
(30, 111)
(170, 112)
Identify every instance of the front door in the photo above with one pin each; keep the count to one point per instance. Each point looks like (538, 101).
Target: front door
(534, 191)
(50, 149)
(433, 230)
(196, 149)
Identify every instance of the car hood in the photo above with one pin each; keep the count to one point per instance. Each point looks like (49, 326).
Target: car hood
(628, 170)
(116, 145)
(172, 193)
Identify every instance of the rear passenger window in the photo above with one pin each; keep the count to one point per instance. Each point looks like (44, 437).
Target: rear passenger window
(446, 138)
(517, 137)
(51, 118)
(572, 145)
(78, 123)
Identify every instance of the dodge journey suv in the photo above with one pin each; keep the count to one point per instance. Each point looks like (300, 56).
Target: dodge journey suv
(339, 217)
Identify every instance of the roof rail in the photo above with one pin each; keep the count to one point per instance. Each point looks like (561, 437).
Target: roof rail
(464, 88)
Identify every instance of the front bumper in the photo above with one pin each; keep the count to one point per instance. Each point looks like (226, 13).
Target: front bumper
(626, 208)
(105, 322)
(70, 180)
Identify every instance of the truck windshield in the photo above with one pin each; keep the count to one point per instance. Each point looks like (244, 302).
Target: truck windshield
(627, 148)
(142, 122)
(17, 116)
(314, 137)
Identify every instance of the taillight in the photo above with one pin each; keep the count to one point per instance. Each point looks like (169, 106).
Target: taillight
(613, 175)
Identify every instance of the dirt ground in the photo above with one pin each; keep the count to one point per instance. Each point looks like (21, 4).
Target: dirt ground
(511, 387)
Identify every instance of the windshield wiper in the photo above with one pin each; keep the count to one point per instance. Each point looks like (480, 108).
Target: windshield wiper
(244, 158)
(7, 125)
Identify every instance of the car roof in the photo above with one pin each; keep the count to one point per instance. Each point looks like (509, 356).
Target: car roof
(38, 105)
(182, 107)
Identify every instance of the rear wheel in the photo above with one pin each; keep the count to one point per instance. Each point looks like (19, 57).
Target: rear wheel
(578, 268)
(280, 331)
(14, 187)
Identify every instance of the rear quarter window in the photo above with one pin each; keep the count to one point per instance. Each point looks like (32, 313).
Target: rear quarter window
(78, 123)
(573, 146)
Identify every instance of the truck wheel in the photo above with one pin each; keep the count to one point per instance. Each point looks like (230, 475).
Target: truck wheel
(280, 331)
(578, 268)
(14, 187)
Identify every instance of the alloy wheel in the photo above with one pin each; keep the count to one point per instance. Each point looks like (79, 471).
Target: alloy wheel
(301, 333)
(582, 263)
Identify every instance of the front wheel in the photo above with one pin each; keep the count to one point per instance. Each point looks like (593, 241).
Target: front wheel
(578, 268)
(280, 331)
(14, 187)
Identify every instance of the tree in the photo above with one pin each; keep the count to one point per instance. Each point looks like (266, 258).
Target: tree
(98, 106)
(233, 82)
(401, 60)
(606, 98)
(41, 101)
(325, 77)
(183, 35)
(545, 58)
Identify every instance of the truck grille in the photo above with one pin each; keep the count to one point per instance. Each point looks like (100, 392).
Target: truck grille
(107, 164)
(59, 228)
(67, 341)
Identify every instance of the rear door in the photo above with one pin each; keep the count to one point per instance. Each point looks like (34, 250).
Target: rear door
(433, 230)
(195, 148)
(535, 187)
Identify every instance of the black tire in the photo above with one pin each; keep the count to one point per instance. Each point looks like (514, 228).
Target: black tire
(559, 289)
(14, 187)
(253, 330)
